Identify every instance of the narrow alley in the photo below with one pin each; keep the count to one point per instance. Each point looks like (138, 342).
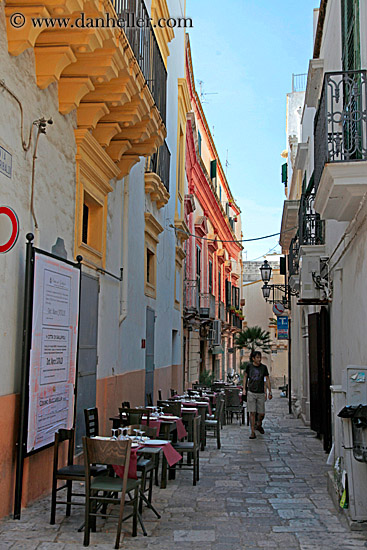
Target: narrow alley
(252, 494)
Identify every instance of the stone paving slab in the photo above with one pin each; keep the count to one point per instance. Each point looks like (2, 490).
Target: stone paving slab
(252, 495)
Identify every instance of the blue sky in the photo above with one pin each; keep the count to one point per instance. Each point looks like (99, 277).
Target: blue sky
(246, 52)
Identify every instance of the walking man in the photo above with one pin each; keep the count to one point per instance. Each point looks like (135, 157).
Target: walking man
(255, 389)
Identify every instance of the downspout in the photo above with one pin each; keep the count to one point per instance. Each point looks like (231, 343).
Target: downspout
(125, 252)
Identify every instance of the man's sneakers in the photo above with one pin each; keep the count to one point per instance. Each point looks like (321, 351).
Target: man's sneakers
(260, 429)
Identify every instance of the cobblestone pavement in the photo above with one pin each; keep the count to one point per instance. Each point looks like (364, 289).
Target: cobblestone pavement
(253, 494)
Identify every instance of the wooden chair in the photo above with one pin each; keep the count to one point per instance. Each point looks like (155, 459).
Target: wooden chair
(149, 399)
(233, 405)
(172, 407)
(148, 463)
(134, 416)
(91, 422)
(108, 452)
(215, 424)
(125, 405)
(192, 449)
(173, 392)
(69, 473)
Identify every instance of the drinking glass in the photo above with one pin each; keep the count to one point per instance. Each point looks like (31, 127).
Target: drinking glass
(114, 431)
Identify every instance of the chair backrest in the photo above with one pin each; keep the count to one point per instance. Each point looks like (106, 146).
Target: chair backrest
(219, 407)
(173, 408)
(60, 436)
(232, 398)
(196, 430)
(125, 405)
(91, 422)
(148, 430)
(135, 416)
(159, 395)
(149, 399)
(173, 392)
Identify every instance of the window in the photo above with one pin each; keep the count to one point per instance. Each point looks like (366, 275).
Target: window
(85, 223)
(152, 231)
(92, 223)
(198, 268)
(150, 266)
(199, 142)
(350, 35)
(228, 293)
(210, 277)
(285, 174)
(213, 169)
(219, 285)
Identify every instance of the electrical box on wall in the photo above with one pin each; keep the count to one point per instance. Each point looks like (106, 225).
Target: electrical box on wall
(355, 385)
(309, 269)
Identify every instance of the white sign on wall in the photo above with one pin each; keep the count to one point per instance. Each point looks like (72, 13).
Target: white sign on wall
(6, 162)
(53, 349)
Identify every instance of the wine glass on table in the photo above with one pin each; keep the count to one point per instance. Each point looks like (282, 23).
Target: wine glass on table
(114, 432)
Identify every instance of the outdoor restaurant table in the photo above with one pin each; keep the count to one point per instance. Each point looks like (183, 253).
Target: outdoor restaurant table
(166, 426)
(170, 457)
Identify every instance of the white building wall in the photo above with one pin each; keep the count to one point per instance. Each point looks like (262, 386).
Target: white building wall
(54, 178)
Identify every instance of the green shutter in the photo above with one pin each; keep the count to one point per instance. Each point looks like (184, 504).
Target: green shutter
(199, 142)
(213, 169)
(350, 35)
(285, 173)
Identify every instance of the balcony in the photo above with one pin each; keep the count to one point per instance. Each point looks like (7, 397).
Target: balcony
(293, 261)
(207, 306)
(340, 132)
(310, 226)
(157, 170)
(289, 223)
(145, 47)
(191, 297)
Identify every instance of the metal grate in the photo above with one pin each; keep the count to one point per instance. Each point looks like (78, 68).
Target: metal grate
(340, 126)
(159, 163)
(293, 257)
(145, 47)
(311, 227)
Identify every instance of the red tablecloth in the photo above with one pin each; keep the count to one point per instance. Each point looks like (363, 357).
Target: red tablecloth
(156, 423)
(172, 457)
(119, 470)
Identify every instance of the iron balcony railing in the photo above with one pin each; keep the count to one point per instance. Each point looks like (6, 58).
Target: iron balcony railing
(159, 163)
(293, 256)
(191, 295)
(340, 125)
(310, 227)
(145, 47)
(207, 303)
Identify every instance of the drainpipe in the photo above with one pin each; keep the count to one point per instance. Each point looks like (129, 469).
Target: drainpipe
(125, 251)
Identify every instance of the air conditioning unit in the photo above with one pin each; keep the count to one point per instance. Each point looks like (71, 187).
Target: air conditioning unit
(217, 329)
(309, 267)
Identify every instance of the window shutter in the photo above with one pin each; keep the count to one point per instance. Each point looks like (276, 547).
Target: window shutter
(350, 35)
(285, 173)
(213, 169)
(228, 293)
(283, 267)
(199, 142)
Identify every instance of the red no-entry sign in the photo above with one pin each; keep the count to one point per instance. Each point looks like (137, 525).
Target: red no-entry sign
(9, 228)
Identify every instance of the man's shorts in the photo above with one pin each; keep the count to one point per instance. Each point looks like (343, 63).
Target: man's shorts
(256, 402)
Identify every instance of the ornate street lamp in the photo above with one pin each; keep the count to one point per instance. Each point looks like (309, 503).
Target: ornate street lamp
(266, 291)
(265, 271)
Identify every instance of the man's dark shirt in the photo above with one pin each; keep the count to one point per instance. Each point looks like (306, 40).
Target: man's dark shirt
(255, 377)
